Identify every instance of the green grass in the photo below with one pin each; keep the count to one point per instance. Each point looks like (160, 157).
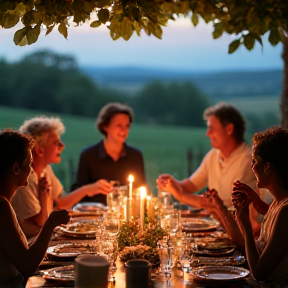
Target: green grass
(164, 147)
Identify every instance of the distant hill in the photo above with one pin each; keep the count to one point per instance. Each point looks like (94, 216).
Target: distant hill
(213, 84)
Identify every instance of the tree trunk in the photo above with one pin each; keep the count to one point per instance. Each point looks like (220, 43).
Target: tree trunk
(284, 97)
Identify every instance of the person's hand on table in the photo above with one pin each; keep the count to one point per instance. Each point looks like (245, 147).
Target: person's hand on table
(101, 186)
(168, 183)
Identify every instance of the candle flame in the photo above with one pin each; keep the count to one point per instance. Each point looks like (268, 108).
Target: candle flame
(130, 178)
(142, 192)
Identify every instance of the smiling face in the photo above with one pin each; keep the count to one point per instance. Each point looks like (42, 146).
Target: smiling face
(217, 133)
(118, 128)
(258, 168)
(52, 147)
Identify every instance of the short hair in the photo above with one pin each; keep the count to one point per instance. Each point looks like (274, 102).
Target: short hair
(37, 127)
(227, 114)
(13, 148)
(109, 111)
(272, 146)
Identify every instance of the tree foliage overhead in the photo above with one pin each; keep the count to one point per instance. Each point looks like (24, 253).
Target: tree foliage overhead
(249, 20)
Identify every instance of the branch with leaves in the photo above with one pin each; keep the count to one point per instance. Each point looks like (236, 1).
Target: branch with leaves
(248, 20)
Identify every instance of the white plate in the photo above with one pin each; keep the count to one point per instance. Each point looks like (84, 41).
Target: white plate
(89, 207)
(213, 252)
(220, 273)
(70, 250)
(84, 228)
(64, 273)
(198, 224)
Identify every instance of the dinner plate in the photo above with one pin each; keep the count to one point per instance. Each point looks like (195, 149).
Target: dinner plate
(220, 273)
(213, 252)
(198, 224)
(64, 273)
(70, 250)
(219, 261)
(90, 207)
(83, 228)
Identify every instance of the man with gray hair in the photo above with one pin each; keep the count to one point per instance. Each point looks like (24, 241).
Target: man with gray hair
(229, 160)
(34, 203)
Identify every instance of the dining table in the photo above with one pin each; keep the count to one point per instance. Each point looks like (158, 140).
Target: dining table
(177, 279)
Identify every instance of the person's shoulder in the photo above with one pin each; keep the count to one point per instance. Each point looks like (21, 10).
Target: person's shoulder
(133, 150)
(91, 148)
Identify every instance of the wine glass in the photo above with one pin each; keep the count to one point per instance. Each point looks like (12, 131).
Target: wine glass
(109, 249)
(111, 226)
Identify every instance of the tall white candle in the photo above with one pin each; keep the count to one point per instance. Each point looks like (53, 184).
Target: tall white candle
(131, 180)
(142, 207)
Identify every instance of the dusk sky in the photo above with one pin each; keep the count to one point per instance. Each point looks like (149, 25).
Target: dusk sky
(183, 47)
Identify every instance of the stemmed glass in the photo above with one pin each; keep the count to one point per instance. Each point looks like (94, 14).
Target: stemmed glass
(109, 249)
(165, 250)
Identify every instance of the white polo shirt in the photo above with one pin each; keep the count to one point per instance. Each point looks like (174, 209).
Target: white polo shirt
(220, 173)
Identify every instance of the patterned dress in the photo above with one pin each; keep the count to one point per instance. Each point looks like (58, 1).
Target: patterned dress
(280, 274)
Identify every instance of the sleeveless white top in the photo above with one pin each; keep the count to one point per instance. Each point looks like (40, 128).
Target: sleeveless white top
(280, 274)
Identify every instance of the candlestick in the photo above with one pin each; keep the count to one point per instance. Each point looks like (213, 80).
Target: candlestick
(142, 207)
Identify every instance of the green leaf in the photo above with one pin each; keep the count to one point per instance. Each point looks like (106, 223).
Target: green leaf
(137, 28)
(20, 9)
(95, 24)
(23, 42)
(114, 31)
(249, 41)
(103, 3)
(195, 19)
(218, 30)
(126, 29)
(155, 29)
(63, 30)
(33, 34)
(274, 37)
(103, 15)
(49, 29)
(233, 46)
(78, 9)
(10, 20)
(89, 6)
(19, 35)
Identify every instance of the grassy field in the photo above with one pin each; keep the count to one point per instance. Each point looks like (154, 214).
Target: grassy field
(164, 148)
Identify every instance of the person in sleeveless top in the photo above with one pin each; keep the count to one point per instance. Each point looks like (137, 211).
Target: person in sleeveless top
(17, 260)
(268, 255)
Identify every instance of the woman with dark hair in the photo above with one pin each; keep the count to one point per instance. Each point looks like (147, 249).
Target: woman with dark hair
(268, 255)
(16, 258)
(111, 159)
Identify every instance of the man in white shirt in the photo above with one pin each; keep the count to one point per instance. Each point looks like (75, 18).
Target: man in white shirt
(229, 160)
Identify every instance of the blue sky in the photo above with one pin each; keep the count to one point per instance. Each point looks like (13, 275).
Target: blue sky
(183, 47)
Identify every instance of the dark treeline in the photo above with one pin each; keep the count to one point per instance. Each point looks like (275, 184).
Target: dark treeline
(51, 82)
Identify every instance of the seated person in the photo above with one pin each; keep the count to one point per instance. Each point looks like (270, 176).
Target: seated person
(111, 159)
(16, 258)
(227, 161)
(34, 203)
(268, 255)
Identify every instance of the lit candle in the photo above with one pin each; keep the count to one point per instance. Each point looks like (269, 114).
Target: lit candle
(142, 207)
(131, 180)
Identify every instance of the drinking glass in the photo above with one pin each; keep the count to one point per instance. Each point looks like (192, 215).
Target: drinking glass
(109, 249)
(111, 226)
(165, 250)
